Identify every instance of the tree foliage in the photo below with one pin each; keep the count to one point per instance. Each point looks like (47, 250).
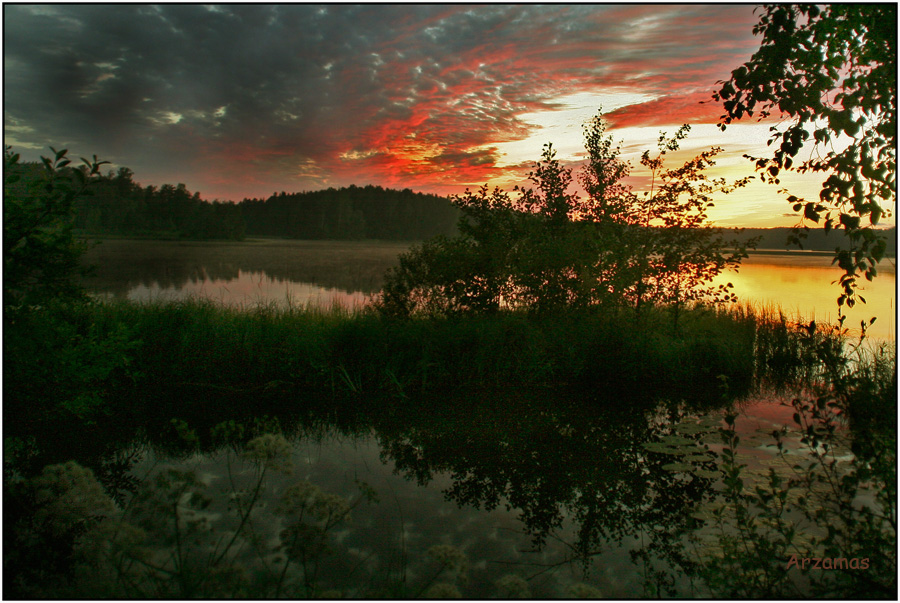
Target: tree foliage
(353, 212)
(549, 248)
(40, 253)
(831, 73)
(59, 365)
(120, 206)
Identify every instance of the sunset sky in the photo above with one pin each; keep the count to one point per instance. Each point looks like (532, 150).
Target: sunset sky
(242, 101)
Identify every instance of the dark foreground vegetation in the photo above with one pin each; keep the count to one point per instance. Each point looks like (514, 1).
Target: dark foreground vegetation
(84, 383)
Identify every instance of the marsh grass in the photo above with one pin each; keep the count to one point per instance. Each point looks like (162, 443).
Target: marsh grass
(197, 346)
(114, 370)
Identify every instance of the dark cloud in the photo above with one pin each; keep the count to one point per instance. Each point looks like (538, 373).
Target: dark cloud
(245, 99)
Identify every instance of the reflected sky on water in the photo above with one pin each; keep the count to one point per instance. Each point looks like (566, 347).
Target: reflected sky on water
(803, 286)
(348, 273)
(249, 289)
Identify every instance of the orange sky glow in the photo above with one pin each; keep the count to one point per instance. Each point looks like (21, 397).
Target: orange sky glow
(243, 101)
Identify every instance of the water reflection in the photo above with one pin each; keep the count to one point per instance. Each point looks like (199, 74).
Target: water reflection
(321, 273)
(549, 461)
(804, 286)
(302, 272)
(551, 490)
(482, 494)
(249, 289)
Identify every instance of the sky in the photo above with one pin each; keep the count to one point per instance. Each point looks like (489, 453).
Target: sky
(242, 101)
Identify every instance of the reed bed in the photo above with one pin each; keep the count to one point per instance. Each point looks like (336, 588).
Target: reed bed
(198, 345)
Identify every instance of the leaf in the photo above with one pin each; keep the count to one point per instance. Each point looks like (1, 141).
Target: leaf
(810, 212)
(690, 428)
(677, 440)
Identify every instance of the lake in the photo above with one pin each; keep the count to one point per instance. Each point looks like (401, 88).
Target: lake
(500, 495)
(534, 493)
(303, 273)
(348, 273)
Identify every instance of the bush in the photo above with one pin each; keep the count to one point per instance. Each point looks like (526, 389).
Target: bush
(550, 250)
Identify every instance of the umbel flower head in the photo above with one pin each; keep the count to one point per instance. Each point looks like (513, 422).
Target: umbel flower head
(270, 451)
(68, 494)
(453, 559)
(304, 497)
(512, 586)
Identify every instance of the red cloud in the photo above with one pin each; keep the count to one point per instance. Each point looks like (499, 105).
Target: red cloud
(428, 121)
(691, 108)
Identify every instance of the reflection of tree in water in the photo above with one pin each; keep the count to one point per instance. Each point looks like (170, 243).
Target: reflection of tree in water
(553, 460)
(122, 265)
(576, 470)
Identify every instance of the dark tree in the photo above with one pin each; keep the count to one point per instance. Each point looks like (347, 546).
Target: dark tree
(831, 73)
(40, 253)
(550, 249)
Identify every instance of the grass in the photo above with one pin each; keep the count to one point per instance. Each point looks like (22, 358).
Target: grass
(128, 368)
(197, 345)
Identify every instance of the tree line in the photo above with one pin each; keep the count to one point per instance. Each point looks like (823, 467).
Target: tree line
(117, 205)
(778, 239)
(369, 212)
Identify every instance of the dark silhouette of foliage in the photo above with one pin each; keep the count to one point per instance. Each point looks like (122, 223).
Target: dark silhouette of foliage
(40, 253)
(59, 366)
(684, 254)
(354, 212)
(549, 460)
(120, 206)
(550, 248)
(831, 73)
(776, 239)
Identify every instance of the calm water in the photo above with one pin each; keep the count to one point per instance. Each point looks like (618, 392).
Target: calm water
(520, 485)
(803, 286)
(261, 271)
(322, 273)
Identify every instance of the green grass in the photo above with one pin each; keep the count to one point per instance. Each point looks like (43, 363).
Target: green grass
(200, 346)
(129, 367)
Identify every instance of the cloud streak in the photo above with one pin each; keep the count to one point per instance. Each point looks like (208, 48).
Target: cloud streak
(244, 100)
